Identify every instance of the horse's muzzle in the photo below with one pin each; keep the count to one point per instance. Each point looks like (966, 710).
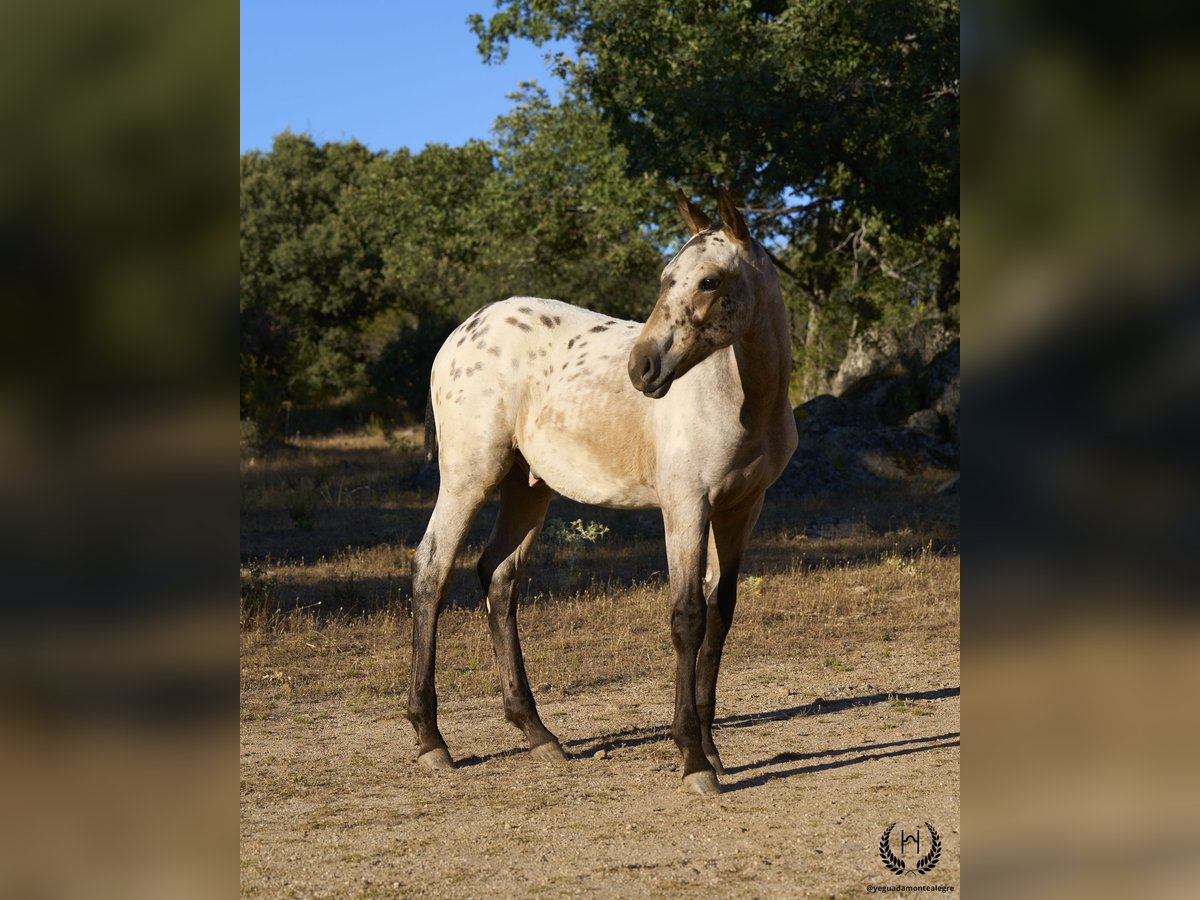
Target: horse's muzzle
(645, 371)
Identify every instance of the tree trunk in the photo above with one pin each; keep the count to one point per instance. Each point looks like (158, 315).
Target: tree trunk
(811, 382)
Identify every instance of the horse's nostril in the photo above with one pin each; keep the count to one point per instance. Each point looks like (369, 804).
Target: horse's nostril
(643, 368)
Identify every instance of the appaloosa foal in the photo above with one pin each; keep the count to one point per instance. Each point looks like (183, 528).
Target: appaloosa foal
(688, 413)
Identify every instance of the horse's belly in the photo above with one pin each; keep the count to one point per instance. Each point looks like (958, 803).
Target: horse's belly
(581, 471)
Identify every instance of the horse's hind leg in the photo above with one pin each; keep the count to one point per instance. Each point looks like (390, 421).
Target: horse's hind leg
(433, 561)
(728, 535)
(501, 571)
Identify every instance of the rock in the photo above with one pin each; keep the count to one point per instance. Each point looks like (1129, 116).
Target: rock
(926, 422)
(941, 387)
(849, 456)
(889, 400)
(896, 417)
(883, 352)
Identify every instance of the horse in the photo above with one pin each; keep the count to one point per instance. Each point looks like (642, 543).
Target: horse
(688, 413)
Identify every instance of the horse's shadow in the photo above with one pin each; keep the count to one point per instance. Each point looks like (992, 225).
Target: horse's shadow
(635, 737)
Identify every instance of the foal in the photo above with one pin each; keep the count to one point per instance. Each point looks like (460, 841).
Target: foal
(688, 413)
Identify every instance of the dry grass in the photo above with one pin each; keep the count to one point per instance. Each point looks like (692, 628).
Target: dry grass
(329, 526)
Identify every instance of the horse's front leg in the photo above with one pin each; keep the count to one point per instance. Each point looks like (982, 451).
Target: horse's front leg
(687, 534)
(726, 542)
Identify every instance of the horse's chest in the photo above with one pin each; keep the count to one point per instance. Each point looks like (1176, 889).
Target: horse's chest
(746, 468)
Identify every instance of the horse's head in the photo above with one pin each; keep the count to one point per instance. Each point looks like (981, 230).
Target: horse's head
(708, 297)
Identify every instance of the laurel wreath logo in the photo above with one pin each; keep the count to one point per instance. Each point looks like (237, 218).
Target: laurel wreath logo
(930, 859)
(896, 865)
(890, 859)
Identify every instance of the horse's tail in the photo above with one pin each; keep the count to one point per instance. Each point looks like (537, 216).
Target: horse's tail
(428, 475)
(431, 439)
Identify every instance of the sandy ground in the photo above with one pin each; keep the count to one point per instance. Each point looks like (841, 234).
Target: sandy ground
(820, 762)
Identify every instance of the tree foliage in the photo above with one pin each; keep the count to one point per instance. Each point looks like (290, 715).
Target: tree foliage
(836, 124)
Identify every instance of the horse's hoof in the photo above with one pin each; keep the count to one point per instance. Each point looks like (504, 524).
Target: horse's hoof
(714, 759)
(437, 759)
(703, 783)
(551, 751)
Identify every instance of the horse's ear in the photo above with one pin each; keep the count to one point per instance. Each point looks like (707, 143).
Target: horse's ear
(693, 216)
(731, 220)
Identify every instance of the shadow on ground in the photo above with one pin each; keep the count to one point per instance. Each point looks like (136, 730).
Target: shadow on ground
(637, 737)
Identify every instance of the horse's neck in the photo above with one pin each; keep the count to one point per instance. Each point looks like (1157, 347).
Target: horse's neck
(764, 361)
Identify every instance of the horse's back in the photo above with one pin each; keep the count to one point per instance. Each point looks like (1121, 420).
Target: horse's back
(548, 379)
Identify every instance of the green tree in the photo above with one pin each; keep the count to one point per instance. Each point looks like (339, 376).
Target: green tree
(837, 122)
(424, 212)
(568, 219)
(547, 209)
(310, 278)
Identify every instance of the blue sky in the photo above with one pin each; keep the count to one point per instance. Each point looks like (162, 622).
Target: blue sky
(391, 74)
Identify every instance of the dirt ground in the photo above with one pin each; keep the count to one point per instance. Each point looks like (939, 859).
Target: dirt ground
(819, 763)
(838, 702)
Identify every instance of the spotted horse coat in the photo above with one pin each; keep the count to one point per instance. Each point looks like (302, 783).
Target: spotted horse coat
(687, 412)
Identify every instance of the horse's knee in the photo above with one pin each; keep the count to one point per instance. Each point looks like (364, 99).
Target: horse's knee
(687, 627)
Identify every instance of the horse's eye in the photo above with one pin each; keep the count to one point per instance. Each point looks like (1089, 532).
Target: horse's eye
(709, 284)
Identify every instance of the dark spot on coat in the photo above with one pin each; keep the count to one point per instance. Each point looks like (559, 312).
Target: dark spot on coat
(580, 361)
(571, 342)
(525, 309)
(611, 322)
(470, 372)
(524, 327)
(564, 365)
(598, 328)
(478, 365)
(547, 321)
(558, 320)
(461, 340)
(511, 320)
(495, 351)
